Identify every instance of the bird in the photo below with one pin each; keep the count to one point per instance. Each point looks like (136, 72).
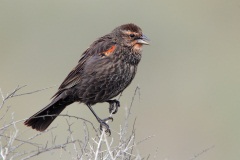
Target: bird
(104, 70)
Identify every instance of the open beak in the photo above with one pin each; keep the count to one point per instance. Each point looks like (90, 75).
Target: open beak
(143, 40)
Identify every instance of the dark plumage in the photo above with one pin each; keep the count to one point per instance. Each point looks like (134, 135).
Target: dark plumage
(105, 69)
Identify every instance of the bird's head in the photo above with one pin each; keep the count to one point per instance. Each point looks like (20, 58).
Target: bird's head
(130, 35)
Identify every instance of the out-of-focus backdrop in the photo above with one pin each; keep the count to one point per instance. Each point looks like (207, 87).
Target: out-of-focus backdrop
(189, 76)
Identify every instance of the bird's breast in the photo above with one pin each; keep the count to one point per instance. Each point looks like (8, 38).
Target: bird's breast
(105, 79)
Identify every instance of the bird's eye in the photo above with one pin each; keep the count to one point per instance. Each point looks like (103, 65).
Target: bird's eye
(132, 35)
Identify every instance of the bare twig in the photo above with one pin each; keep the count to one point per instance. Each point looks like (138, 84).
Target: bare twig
(202, 152)
(49, 149)
(22, 94)
(97, 147)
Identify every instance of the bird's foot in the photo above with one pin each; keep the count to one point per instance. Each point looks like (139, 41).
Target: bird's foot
(103, 124)
(113, 106)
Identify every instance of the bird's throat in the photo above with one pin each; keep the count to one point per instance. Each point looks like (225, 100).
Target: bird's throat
(137, 48)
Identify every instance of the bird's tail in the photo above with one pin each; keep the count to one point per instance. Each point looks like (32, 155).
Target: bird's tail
(42, 119)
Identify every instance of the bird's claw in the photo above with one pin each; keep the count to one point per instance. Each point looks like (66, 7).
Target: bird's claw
(106, 119)
(103, 124)
(113, 106)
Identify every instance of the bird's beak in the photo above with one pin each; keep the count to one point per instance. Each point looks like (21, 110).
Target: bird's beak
(143, 40)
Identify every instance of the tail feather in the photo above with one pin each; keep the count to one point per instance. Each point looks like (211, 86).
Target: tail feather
(42, 119)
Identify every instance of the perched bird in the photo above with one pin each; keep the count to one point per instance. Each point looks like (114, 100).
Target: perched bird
(105, 69)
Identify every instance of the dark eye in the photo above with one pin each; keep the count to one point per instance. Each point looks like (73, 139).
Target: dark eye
(132, 35)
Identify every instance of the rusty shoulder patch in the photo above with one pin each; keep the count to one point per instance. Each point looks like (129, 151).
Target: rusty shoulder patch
(109, 51)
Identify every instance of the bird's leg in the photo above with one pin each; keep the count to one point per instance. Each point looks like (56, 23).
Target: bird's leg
(101, 121)
(113, 106)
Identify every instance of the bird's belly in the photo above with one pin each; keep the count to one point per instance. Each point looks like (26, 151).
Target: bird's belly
(106, 86)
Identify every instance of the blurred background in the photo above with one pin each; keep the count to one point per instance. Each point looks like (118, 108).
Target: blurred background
(188, 76)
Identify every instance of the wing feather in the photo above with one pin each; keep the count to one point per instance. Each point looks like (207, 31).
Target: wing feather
(98, 48)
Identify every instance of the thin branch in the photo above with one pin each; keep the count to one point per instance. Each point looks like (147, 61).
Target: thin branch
(99, 144)
(88, 148)
(49, 149)
(133, 97)
(202, 152)
(108, 147)
(22, 94)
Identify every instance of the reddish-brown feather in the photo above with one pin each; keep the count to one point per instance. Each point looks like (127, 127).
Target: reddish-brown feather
(110, 50)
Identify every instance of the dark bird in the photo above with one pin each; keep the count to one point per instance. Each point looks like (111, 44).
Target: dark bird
(105, 69)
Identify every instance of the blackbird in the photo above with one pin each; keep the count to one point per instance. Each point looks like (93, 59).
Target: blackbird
(104, 70)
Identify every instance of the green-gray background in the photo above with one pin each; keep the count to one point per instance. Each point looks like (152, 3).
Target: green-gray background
(189, 75)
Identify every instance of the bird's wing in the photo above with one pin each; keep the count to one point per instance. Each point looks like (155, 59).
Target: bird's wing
(101, 48)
